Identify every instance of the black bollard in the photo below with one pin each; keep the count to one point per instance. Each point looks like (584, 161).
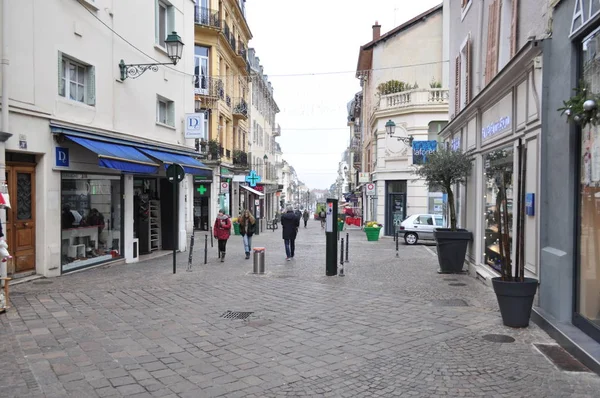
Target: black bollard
(211, 236)
(347, 249)
(397, 243)
(341, 271)
(205, 248)
(189, 266)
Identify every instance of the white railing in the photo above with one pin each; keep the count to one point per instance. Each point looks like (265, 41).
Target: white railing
(412, 98)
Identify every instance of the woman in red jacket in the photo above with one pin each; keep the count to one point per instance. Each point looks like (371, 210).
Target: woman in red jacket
(222, 230)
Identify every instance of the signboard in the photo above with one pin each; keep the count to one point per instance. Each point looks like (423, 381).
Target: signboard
(370, 188)
(175, 173)
(363, 177)
(62, 157)
(329, 217)
(497, 119)
(224, 186)
(194, 125)
(421, 149)
(252, 179)
(530, 204)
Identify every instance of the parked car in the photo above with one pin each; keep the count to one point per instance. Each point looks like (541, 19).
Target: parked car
(420, 226)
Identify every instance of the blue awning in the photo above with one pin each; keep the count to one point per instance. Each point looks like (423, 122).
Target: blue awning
(189, 164)
(118, 157)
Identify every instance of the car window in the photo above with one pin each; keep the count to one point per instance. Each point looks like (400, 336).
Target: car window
(426, 220)
(439, 221)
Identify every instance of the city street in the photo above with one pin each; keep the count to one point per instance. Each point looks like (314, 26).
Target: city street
(390, 327)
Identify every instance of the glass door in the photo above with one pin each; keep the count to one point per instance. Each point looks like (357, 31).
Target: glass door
(396, 212)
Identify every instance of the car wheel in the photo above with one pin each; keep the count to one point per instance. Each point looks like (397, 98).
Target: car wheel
(411, 238)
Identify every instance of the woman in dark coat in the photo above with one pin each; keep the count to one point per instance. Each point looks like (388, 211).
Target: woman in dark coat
(221, 231)
(289, 223)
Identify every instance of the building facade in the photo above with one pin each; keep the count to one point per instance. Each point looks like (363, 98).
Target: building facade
(568, 305)
(87, 141)
(415, 99)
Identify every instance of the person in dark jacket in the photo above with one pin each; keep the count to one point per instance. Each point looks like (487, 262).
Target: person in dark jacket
(305, 217)
(247, 226)
(289, 223)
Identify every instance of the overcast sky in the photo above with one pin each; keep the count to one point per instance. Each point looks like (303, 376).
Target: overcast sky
(312, 39)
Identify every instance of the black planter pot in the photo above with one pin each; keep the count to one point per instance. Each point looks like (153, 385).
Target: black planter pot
(515, 300)
(451, 249)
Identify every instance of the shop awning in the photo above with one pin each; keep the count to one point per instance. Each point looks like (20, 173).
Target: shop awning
(118, 157)
(254, 191)
(189, 164)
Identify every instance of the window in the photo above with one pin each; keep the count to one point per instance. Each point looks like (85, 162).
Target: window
(76, 81)
(465, 6)
(462, 88)
(165, 111)
(165, 21)
(201, 70)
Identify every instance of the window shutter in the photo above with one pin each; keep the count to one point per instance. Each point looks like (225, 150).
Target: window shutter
(468, 72)
(61, 74)
(457, 86)
(492, 45)
(171, 113)
(514, 28)
(91, 85)
(170, 19)
(156, 23)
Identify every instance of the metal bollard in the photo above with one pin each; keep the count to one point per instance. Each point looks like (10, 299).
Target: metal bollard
(189, 266)
(258, 267)
(341, 268)
(211, 236)
(347, 249)
(205, 248)
(396, 243)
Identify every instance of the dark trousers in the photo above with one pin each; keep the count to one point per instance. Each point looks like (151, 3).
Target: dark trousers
(290, 247)
(305, 221)
(222, 245)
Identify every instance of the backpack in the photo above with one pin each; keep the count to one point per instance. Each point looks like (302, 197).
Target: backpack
(322, 214)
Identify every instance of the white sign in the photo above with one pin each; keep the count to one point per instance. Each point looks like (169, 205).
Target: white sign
(370, 188)
(194, 125)
(329, 218)
(224, 186)
(363, 177)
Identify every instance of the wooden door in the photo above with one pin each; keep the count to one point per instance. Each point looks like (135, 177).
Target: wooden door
(20, 218)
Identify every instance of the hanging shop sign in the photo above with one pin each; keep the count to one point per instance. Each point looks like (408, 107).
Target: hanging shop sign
(363, 177)
(421, 149)
(194, 125)
(252, 179)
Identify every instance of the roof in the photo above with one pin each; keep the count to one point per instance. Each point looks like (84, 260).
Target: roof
(365, 56)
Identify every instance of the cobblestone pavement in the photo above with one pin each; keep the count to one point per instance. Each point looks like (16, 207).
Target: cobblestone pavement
(390, 327)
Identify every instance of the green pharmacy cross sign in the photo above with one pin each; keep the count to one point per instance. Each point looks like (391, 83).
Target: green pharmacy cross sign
(252, 178)
(201, 189)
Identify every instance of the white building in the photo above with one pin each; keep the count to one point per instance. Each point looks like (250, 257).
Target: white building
(402, 81)
(86, 139)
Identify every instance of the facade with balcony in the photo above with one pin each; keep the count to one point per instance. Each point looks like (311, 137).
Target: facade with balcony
(415, 99)
(222, 93)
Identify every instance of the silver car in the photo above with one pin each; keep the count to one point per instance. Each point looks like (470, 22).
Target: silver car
(420, 226)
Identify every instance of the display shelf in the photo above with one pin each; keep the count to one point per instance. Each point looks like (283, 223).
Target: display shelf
(155, 233)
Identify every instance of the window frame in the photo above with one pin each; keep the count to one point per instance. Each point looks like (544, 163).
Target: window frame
(169, 120)
(64, 80)
(168, 20)
(465, 7)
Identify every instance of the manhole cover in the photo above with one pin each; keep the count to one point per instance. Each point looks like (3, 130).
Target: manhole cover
(450, 279)
(42, 282)
(498, 338)
(457, 284)
(561, 358)
(236, 315)
(450, 303)
(259, 322)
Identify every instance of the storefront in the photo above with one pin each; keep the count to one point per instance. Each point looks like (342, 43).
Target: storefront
(202, 189)
(570, 239)
(115, 199)
(502, 117)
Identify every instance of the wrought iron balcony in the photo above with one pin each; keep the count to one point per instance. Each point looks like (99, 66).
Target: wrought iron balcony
(357, 159)
(215, 150)
(207, 17)
(240, 158)
(229, 36)
(228, 101)
(357, 130)
(277, 131)
(240, 108)
(207, 86)
(242, 49)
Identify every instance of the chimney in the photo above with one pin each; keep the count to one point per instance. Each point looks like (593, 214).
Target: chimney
(376, 31)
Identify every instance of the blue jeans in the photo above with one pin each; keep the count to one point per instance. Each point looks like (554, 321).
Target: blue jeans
(290, 247)
(247, 243)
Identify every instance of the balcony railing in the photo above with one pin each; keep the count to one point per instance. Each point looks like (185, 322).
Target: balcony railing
(207, 86)
(277, 131)
(215, 150)
(414, 98)
(229, 36)
(228, 101)
(207, 17)
(357, 159)
(240, 158)
(357, 130)
(240, 108)
(242, 49)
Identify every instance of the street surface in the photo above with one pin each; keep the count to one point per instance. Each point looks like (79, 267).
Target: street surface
(390, 327)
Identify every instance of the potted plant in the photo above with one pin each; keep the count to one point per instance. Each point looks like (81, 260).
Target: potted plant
(444, 169)
(236, 226)
(372, 229)
(514, 292)
(340, 224)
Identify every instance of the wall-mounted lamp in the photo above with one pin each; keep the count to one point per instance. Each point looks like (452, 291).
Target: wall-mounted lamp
(390, 128)
(265, 158)
(174, 50)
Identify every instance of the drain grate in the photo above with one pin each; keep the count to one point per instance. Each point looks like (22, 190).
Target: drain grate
(42, 282)
(457, 284)
(498, 338)
(236, 315)
(561, 358)
(450, 303)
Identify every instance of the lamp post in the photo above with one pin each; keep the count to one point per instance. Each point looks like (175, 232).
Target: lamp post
(390, 128)
(174, 47)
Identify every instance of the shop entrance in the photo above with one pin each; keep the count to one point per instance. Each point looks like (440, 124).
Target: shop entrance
(395, 205)
(20, 219)
(153, 214)
(201, 201)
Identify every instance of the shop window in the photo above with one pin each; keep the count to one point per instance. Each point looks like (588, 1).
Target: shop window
(588, 302)
(90, 219)
(498, 207)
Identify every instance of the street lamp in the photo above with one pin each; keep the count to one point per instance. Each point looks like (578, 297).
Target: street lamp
(174, 47)
(390, 128)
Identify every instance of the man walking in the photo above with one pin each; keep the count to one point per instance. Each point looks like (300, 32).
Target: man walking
(305, 217)
(289, 223)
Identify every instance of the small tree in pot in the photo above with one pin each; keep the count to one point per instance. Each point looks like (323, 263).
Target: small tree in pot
(442, 170)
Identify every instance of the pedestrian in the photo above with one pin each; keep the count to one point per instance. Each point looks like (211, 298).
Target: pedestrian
(222, 230)
(305, 217)
(289, 223)
(322, 216)
(247, 228)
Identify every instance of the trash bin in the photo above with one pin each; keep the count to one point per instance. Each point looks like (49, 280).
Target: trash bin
(259, 260)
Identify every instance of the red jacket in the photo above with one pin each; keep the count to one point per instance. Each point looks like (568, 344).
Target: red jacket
(222, 228)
